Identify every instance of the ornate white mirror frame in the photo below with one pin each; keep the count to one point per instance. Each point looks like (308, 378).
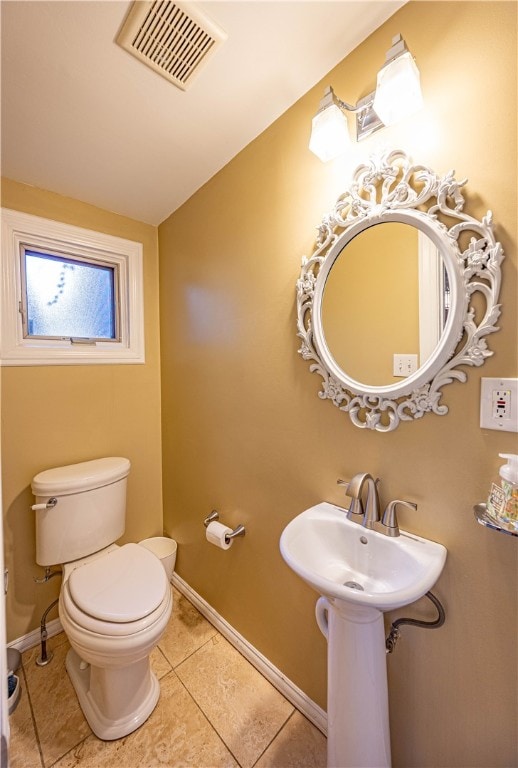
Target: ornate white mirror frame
(391, 189)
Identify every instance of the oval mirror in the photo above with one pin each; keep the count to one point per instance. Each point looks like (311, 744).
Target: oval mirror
(389, 304)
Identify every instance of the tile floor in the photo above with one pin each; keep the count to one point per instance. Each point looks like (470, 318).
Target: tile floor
(215, 710)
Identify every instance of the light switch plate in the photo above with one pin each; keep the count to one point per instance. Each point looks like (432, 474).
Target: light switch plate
(404, 365)
(499, 404)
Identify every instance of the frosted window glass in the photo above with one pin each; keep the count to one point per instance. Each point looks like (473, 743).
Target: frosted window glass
(68, 298)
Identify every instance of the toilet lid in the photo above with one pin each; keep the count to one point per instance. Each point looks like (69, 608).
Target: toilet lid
(124, 585)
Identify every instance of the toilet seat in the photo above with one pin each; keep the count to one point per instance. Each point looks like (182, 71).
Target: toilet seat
(111, 628)
(121, 593)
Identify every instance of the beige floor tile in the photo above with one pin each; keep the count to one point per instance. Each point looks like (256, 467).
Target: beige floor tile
(243, 707)
(298, 745)
(23, 749)
(176, 734)
(60, 722)
(186, 632)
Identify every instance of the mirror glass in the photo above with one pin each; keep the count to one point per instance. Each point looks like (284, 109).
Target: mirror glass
(387, 291)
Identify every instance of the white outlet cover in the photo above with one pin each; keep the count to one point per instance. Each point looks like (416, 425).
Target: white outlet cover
(507, 423)
(404, 365)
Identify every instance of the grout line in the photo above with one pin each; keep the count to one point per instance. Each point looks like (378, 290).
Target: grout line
(209, 640)
(166, 661)
(216, 632)
(175, 667)
(33, 712)
(33, 717)
(283, 726)
(206, 718)
(70, 750)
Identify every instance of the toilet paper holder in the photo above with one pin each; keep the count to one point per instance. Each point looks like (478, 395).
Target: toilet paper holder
(214, 515)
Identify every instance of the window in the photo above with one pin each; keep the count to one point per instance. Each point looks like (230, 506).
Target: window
(67, 298)
(70, 295)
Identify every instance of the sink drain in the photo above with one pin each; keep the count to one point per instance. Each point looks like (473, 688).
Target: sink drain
(353, 585)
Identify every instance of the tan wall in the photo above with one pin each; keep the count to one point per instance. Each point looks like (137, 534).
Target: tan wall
(60, 414)
(244, 430)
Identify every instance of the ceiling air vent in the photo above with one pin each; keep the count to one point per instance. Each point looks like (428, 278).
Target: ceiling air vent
(174, 38)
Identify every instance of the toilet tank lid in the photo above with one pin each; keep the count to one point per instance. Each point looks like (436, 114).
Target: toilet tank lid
(84, 476)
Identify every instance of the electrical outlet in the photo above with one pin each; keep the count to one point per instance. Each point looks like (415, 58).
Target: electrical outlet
(404, 365)
(499, 404)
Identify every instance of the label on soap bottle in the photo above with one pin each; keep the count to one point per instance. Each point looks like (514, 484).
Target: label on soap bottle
(502, 505)
(510, 511)
(496, 501)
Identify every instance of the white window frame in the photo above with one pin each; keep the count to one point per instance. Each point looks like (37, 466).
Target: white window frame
(25, 230)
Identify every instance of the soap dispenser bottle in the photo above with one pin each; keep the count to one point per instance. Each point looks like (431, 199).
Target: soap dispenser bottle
(502, 503)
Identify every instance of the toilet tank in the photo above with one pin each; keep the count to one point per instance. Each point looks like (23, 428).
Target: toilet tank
(90, 512)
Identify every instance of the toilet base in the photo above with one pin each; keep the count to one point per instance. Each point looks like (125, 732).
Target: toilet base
(122, 715)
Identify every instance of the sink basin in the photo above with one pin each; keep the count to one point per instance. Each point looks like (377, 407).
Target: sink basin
(341, 559)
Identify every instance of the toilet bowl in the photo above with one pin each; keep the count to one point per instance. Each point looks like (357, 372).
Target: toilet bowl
(115, 601)
(114, 607)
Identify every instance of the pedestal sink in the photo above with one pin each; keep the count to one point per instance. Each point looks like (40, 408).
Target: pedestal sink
(359, 574)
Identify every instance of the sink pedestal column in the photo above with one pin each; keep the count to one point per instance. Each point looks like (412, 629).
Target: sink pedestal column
(357, 698)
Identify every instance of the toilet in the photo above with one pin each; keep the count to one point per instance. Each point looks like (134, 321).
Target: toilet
(115, 601)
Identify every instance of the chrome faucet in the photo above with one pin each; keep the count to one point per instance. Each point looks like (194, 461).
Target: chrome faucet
(369, 514)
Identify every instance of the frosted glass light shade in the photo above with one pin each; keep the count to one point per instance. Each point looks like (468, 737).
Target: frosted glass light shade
(398, 90)
(329, 133)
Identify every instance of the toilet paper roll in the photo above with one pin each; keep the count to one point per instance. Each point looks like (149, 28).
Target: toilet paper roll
(216, 533)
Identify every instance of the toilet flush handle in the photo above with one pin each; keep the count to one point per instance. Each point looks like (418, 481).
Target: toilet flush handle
(49, 505)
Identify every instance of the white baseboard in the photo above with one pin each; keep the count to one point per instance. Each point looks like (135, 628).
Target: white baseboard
(289, 690)
(33, 638)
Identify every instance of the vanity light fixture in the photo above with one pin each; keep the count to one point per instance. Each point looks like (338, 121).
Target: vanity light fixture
(398, 95)
(398, 87)
(329, 131)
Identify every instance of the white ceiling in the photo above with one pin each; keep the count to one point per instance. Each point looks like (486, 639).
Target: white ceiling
(83, 118)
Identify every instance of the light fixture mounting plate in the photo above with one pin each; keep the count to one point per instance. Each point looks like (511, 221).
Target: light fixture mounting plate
(367, 121)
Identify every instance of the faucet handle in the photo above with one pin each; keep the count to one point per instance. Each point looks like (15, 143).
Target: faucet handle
(356, 510)
(389, 520)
